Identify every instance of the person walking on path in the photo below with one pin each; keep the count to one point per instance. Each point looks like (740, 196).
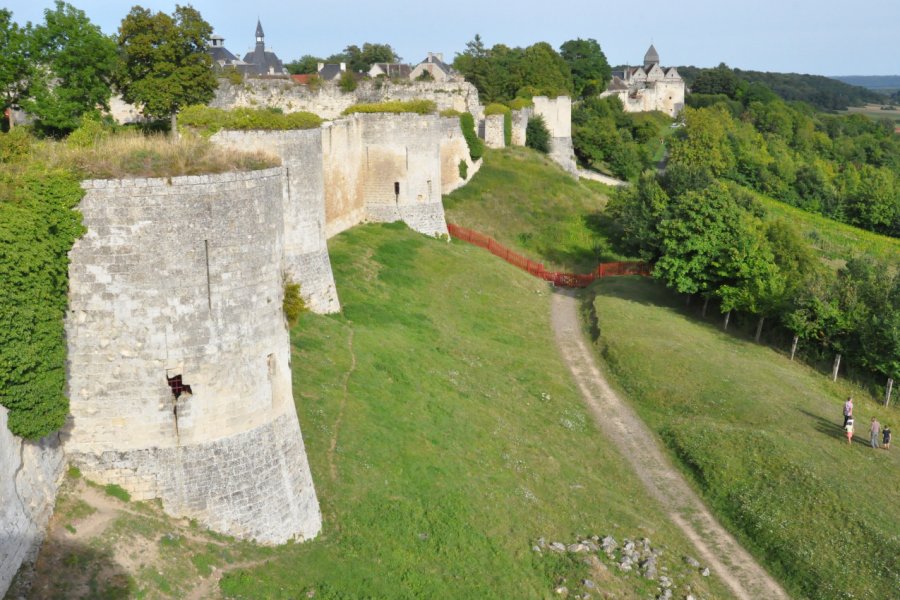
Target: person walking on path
(874, 430)
(848, 409)
(886, 438)
(848, 427)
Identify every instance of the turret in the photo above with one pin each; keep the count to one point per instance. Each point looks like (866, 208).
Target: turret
(651, 58)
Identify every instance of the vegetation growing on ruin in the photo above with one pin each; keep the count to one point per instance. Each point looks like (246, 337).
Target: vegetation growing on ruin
(495, 108)
(209, 120)
(475, 143)
(761, 437)
(38, 225)
(537, 136)
(445, 437)
(292, 303)
(419, 107)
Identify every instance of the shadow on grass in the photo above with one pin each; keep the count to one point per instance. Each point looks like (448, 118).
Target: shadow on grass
(68, 569)
(831, 428)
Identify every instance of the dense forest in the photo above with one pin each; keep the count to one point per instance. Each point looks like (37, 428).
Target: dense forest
(845, 167)
(824, 93)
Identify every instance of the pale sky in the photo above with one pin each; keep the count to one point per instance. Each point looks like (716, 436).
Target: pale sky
(823, 37)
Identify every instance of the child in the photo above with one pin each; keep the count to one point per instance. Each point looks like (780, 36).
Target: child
(848, 427)
(886, 438)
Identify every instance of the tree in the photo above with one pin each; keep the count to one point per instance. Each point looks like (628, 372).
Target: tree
(636, 212)
(720, 80)
(697, 239)
(360, 60)
(537, 137)
(78, 63)
(589, 67)
(165, 66)
(16, 67)
(545, 71)
(305, 65)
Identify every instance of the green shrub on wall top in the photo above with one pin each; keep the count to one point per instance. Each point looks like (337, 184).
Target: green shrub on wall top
(38, 225)
(420, 107)
(463, 169)
(210, 120)
(476, 146)
(495, 109)
(537, 136)
(520, 103)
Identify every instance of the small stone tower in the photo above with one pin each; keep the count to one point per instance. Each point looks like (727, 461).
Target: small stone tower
(650, 59)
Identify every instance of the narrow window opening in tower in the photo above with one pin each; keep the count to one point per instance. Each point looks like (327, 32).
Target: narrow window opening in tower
(396, 191)
(178, 387)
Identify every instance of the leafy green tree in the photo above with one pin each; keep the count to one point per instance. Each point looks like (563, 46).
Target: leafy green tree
(704, 142)
(305, 65)
(16, 64)
(78, 63)
(636, 212)
(720, 80)
(876, 203)
(544, 70)
(359, 60)
(589, 67)
(164, 63)
(537, 137)
(697, 238)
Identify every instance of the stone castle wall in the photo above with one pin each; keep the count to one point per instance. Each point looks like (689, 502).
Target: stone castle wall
(557, 114)
(493, 132)
(520, 125)
(306, 258)
(329, 101)
(30, 474)
(364, 167)
(183, 277)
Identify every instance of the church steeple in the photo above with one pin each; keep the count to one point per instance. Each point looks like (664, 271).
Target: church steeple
(260, 36)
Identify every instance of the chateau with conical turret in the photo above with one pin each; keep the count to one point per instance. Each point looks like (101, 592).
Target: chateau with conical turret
(650, 87)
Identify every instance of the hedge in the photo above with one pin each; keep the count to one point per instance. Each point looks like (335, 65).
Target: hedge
(210, 120)
(420, 107)
(476, 146)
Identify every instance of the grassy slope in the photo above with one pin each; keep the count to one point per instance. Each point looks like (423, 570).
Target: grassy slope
(835, 241)
(460, 438)
(524, 201)
(760, 436)
(757, 433)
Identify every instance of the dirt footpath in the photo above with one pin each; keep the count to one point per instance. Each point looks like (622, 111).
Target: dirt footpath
(716, 547)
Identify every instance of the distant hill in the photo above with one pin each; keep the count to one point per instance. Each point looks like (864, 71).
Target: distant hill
(825, 93)
(885, 84)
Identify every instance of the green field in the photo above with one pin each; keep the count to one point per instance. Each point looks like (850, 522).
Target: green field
(526, 202)
(760, 436)
(874, 111)
(445, 436)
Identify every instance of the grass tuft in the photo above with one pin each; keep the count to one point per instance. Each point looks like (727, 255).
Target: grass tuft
(117, 491)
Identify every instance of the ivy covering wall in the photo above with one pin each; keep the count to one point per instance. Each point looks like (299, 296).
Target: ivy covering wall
(38, 225)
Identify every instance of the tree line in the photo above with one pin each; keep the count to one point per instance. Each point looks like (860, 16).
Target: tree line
(824, 93)
(844, 167)
(710, 238)
(65, 68)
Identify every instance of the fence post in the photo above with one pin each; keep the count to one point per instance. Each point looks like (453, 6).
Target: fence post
(794, 346)
(887, 392)
(834, 369)
(727, 318)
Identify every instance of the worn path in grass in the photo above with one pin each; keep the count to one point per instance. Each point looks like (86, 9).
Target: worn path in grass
(734, 565)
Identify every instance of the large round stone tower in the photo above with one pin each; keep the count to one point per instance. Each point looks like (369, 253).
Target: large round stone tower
(179, 358)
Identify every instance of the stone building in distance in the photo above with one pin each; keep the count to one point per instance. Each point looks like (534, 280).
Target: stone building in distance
(649, 87)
